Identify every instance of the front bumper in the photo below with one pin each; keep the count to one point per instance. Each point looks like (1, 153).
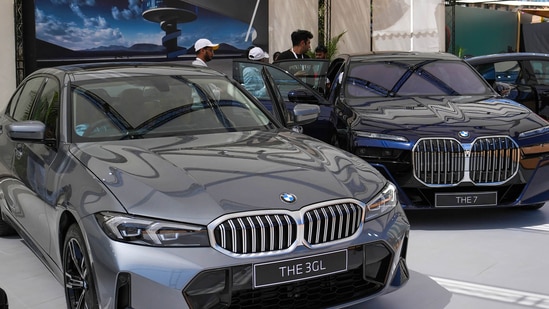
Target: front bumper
(149, 277)
(511, 180)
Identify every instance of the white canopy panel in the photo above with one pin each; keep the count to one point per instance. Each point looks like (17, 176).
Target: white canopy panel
(406, 25)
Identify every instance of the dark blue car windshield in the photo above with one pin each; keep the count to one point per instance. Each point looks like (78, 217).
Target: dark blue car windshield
(418, 78)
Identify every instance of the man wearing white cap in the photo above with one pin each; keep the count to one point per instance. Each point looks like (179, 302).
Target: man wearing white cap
(253, 81)
(204, 49)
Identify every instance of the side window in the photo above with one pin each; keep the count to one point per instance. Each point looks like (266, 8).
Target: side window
(507, 71)
(541, 70)
(47, 108)
(22, 108)
(487, 71)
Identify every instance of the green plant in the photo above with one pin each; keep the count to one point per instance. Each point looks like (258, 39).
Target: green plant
(461, 52)
(331, 46)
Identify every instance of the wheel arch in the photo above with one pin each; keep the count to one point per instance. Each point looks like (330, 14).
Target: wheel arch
(65, 221)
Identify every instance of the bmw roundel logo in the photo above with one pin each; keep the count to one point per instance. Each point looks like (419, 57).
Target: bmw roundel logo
(288, 197)
(463, 134)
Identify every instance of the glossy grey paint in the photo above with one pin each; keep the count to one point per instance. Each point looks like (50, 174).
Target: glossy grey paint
(44, 186)
(216, 174)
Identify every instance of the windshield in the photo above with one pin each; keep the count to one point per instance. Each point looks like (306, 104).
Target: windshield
(401, 78)
(150, 106)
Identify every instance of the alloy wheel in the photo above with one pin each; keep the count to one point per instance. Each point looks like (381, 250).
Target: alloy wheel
(79, 288)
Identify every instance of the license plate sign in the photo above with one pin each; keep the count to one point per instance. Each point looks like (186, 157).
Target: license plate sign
(466, 199)
(279, 272)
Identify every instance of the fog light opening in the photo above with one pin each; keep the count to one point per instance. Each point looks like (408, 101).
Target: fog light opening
(123, 291)
(209, 290)
(377, 262)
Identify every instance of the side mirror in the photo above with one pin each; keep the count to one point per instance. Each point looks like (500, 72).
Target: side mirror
(302, 95)
(305, 113)
(3, 299)
(27, 131)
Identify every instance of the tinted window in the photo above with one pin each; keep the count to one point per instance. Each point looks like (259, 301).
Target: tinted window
(47, 108)
(10, 109)
(541, 71)
(413, 78)
(147, 106)
(22, 110)
(507, 71)
(310, 71)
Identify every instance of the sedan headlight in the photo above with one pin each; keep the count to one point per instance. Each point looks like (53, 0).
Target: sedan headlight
(384, 202)
(152, 232)
(390, 137)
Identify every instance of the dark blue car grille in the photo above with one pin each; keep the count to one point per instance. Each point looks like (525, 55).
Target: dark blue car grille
(445, 161)
(277, 232)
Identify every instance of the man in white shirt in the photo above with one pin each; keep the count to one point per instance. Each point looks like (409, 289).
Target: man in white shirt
(204, 49)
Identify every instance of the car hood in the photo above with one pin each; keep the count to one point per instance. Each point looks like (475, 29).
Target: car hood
(442, 116)
(198, 178)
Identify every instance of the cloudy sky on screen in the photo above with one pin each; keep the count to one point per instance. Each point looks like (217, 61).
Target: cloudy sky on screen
(87, 24)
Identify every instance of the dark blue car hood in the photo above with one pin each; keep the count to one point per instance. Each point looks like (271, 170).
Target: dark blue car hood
(443, 116)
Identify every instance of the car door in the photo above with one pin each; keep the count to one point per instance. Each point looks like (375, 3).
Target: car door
(312, 72)
(293, 91)
(516, 79)
(25, 192)
(537, 75)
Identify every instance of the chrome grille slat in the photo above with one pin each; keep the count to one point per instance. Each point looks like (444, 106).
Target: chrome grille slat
(340, 225)
(324, 225)
(445, 161)
(498, 159)
(271, 235)
(280, 233)
(259, 233)
(438, 161)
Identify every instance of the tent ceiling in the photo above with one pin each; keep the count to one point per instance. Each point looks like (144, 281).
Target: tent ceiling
(540, 12)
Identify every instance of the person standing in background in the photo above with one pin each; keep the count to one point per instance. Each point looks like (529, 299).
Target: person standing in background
(251, 75)
(301, 44)
(204, 50)
(321, 52)
(275, 56)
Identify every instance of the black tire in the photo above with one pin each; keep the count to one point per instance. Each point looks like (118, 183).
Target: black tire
(6, 229)
(3, 300)
(78, 276)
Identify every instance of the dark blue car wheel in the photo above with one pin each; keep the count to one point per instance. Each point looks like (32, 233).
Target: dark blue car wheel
(79, 284)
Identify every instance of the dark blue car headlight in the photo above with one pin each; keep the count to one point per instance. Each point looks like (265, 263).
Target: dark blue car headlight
(152, 232)
(372, 135)
(535, 132)
(383, 203)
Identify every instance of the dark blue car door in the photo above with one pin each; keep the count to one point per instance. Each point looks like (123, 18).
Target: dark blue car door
(294, 91)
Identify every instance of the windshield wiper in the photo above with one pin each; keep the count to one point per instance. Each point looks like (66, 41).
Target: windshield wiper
(104, 107)
(418, 69)
(380, 90)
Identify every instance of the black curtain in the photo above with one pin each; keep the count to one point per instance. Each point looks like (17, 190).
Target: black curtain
(535, 37)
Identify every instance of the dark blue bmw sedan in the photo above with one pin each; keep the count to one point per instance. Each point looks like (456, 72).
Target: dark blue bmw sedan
(433, 126)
